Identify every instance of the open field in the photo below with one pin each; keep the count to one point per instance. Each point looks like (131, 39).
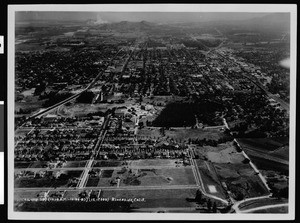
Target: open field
(182, 133)
(149, 132)
(47, 181)
(30, 104)
(106, 163)
(74, 164)
(143, 177)
(156, 198)
(266, 164)
(223, 153)
(36, 164)
(19, 195)
(185, 134)
(22, 132)
(277, 147)
(268, 154)
(78, 109)
(210, 179)
(29, 47)
(241, 180)
(22, 164)
(164, 176)
(152, 162)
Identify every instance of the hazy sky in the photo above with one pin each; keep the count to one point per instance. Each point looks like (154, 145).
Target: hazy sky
(138, 16)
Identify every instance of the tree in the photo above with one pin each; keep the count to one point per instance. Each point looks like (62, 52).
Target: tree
(86, 97)
(209, 205)
(214, 208)
(141, 124)
(198, 196)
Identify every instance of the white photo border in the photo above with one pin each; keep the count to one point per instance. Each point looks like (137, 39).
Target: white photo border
(262, 8)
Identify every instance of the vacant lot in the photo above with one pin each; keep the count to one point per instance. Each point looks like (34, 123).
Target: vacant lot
(110, 163)
(22, 132)
(185, 134)
(276, 149)
(241, 180)
(156, 198)
(223, 153)
(29, 104)
(22, 164)
(75, 164)
(210, 178)
(181, 134)
(154, 162)
(80, 109)
(158, 177)
(47, 181)
(38, 164)
(19, 195)
(149, 132)
(144, 177)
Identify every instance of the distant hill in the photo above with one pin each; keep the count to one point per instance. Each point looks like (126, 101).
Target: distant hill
(279, 22)
(126, 26)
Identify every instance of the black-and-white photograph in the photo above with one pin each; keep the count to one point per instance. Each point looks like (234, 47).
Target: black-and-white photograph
(161, 111)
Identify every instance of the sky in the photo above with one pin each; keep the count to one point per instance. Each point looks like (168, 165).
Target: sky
(158, 17)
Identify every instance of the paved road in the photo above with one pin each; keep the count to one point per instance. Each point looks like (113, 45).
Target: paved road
(264, 207)
(51, 108)
(163, 187)
(200, 181)
(238, 203)
(141, 167)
